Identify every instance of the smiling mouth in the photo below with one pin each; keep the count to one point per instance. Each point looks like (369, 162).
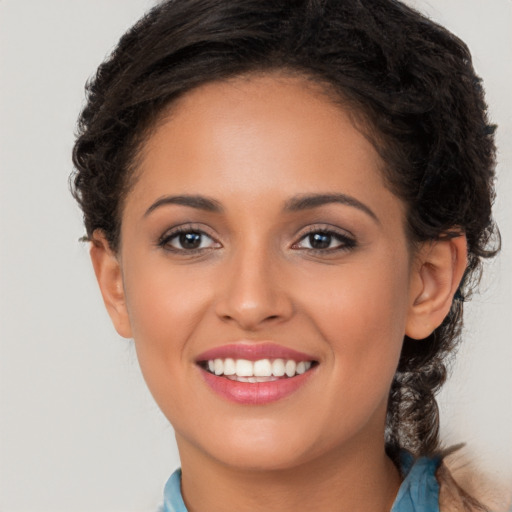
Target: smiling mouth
(261, 370)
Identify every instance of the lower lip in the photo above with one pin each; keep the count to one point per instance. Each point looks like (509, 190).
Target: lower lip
(257, 393)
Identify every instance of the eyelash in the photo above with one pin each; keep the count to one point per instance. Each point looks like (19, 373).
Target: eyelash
(165, 240)
(346, 242)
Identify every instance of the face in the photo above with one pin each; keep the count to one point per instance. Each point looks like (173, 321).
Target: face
(259, 239)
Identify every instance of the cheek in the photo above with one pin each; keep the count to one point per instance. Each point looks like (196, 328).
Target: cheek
(373, 295)
(165, 308)
(362, 316)
(163, 302)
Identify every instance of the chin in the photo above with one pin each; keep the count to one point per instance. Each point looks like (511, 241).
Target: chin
(270, 458)
(261, 445)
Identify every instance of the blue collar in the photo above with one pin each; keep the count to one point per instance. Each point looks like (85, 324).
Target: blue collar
(419, 491)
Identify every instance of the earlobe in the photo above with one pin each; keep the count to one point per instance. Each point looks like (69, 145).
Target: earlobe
(437, 273)
(108, 273)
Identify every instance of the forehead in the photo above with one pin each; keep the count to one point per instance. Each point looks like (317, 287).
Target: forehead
(258, 137)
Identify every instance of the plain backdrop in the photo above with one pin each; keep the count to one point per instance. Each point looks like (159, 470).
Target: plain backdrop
(78, 429)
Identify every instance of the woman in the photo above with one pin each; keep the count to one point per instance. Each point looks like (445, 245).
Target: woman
(288, 203)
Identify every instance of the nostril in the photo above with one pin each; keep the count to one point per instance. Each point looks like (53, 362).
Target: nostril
(252, 311)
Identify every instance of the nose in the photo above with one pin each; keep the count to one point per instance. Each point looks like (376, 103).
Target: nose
(253, 294)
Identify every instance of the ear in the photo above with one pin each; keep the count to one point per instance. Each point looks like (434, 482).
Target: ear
(437, 273)
(108, 273)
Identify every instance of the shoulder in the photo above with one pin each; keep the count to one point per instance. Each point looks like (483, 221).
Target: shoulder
(452, 498)
(464, 486)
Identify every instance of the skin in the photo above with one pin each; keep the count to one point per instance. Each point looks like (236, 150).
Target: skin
(253, 145)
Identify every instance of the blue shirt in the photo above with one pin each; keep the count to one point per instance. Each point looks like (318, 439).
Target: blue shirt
(419, 491)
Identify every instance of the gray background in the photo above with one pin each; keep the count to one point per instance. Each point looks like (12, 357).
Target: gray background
(78, 429)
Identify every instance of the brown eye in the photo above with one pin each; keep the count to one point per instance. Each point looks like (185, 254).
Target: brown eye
(187, 240)
(190, 240)
(325, 241)
(320, 240)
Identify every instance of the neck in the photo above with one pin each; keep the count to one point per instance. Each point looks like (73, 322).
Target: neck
(362, 479)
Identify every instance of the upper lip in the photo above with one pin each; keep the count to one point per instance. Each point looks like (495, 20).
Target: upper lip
(253, 352)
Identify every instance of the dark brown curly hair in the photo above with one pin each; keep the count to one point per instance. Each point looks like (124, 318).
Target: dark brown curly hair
(416, 97)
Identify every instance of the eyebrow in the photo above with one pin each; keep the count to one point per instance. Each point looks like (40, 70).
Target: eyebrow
(305, 202)
(192, 201)
(297, 203)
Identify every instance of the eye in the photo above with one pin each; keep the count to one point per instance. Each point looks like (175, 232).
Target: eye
(325, 240)
(187, 240)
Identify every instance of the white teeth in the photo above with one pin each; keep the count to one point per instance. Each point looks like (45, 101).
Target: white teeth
(229, 366)
(290, 368)
(244, 368)
(218, 365)
(278, 367)
(261, 370)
